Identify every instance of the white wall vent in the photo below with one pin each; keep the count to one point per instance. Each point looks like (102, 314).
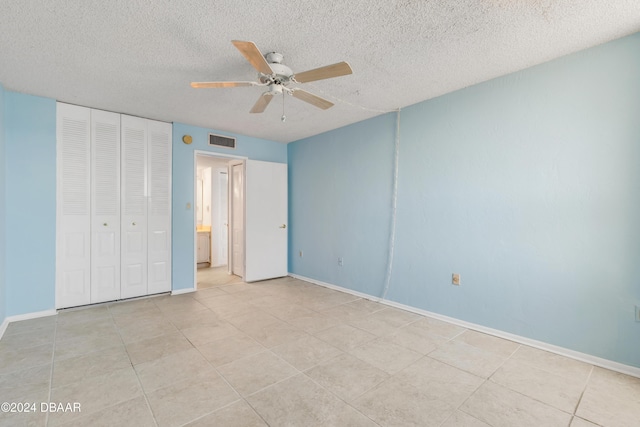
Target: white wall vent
(222, 141)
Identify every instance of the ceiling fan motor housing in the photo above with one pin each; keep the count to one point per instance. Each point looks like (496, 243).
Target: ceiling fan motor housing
(282, 72)
(274, 57)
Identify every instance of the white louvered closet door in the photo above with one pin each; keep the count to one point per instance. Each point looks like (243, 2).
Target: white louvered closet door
(159, 207)
(105, 206)
(133, 207)
(73, 206)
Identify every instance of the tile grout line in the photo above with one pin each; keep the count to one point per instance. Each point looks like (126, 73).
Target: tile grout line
(572, 414)
(289, 377)
(144, 393)
(522, 394)
(53, 357)
(390, 376)
(241, 397)
(584, 389)
(480, 386)
(320, 385)
(386, 379)
(343, 400)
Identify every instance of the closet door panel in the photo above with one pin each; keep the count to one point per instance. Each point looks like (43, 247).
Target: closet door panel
(159, 207)
(73, 206)
(105, 206)
(133, 165)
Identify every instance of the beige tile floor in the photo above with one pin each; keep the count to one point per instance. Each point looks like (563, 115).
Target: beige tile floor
(215, 276)
(288, 353)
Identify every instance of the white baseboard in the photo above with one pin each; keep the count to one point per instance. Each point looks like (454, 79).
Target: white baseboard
(583, 357)
(183, 291)
(26, 316)
(35, 315)
(3, 327)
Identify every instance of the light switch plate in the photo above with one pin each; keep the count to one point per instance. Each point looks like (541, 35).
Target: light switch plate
(455, 279)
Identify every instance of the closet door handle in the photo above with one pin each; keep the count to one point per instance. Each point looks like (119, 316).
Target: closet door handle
(283, 226)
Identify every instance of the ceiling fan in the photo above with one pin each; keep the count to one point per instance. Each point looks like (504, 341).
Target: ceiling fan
(276, 76)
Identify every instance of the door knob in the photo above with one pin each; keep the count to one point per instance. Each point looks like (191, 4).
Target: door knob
(133, 223)
(105, 224)
(283, 226)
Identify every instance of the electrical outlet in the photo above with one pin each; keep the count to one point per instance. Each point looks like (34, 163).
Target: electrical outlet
(455, 279)
(340, 261)
(637, 313)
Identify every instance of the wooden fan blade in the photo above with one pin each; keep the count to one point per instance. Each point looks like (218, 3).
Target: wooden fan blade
(200, 85)
(251, 52)
(262, 103)
(312, 99)
(327, 72)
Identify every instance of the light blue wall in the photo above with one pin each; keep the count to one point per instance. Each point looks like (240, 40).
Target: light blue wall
(339, 192)
(527, 185)
(184, 185)
(3, 305)
(30, 150)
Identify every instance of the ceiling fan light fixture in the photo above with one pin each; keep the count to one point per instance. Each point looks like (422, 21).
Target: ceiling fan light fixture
(274, 89)
(281, 74)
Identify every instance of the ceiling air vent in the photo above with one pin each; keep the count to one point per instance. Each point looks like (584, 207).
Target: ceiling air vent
(222, 141)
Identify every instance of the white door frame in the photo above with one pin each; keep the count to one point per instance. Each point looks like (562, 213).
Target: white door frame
(197, 153)
(230, 216)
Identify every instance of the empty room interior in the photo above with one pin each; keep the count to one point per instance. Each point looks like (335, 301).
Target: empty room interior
(368, 213)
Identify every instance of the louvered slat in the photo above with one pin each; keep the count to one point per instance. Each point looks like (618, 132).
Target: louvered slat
(73, 205)
(106, 169)
(105, 206)
(75, 166)
(133, 266)
(134, 171)
(160, 174)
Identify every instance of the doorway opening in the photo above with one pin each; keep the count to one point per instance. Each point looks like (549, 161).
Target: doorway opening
(218, 201)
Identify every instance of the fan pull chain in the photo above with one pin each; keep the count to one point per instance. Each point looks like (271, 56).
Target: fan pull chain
(283, 118)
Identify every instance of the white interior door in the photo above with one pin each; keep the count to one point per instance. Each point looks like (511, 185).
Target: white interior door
(105, 206)
(134, 207)
(237, 219)
(265, 220)
(73, 206)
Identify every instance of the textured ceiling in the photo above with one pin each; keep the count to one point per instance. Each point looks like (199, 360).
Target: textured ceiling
(139, 56)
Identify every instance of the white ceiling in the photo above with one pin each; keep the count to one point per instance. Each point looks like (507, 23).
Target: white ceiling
(139, 56)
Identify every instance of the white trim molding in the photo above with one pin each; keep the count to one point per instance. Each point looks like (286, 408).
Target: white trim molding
(3, 327)
(26, 316)
(576, 355)
(182, 291)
